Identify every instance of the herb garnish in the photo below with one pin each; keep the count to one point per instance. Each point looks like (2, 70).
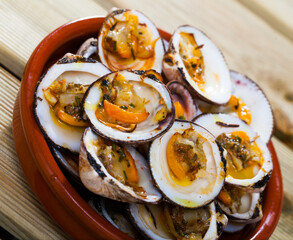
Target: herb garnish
(125, 175)
(105, 83)
(77, 100)
(114, 146)
(124, 107)
(122, 155)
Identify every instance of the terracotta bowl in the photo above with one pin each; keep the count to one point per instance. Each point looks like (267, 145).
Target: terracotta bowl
(65, 204)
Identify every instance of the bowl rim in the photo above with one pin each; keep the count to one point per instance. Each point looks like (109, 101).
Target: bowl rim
(54, 177)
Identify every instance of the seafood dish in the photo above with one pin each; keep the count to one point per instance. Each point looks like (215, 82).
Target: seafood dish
(169, 142)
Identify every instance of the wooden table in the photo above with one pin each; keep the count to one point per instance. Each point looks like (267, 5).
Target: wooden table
(256, 38)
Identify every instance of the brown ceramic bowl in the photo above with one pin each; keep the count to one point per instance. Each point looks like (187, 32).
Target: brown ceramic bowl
(48, 182)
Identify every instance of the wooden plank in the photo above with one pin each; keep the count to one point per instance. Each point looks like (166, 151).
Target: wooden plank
(20, 212)
(25, 23)
(278, 14)
(249, 44)
(235, 29)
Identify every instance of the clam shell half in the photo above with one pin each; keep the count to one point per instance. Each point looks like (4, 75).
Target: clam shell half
(148, 88)
(209, 179)
(97, 179)
(75, 69)
(220, 123)
(112, 24)
(217, 84)
(152, 223)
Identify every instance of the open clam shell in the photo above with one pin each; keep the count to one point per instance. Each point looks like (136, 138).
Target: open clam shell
(165, 221)
(262, 118)
(243, 206)
(124, 91)
(129, 40)
(199, 183)
(193, 59)
(249, 163)
(74, 70)
(249, 103)
(96, 177)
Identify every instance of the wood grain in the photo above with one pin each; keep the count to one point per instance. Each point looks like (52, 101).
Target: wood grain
(20, 212)
(255, 37)
(250, 45)
(24, 24)
(278, 14)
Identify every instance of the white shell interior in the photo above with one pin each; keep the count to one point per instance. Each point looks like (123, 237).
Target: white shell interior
(262, 120)
(60, 133)
(144, 130)
(112, 215)
(208, 121)
(144, 221)
(166, 44)
(87, 48)
(217, 87)
(144, 175)
(233, 227)
(116, 218)
(205, 187)
(159, 48)
(249, 202)
(212, 232)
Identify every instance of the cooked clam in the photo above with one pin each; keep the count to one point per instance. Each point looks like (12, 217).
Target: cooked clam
(58, 100)
(115, 171)
(129, 40)
(130, 107)
(118, 114)
(249, 103)
(193, 59)
(249, 162)
(239, 205)
(187, 165)
(165, 221)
